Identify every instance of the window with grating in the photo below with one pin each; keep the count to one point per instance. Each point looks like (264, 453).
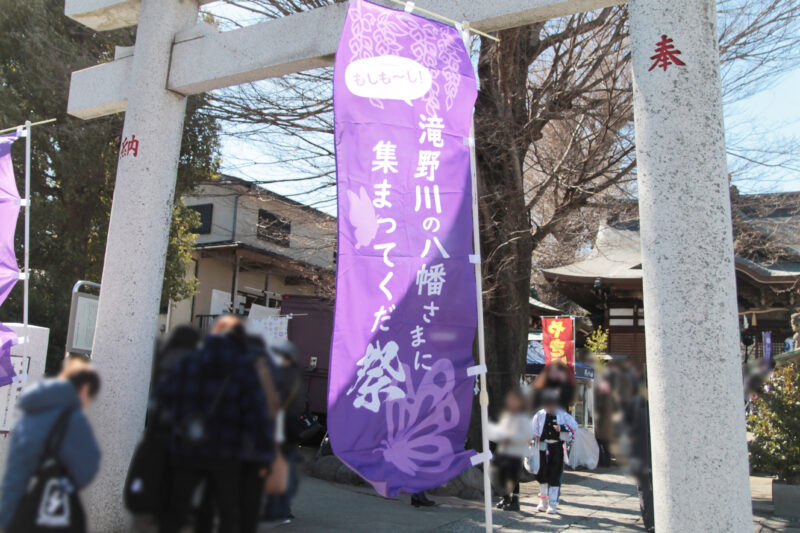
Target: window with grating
(273, 228)
(206, 212)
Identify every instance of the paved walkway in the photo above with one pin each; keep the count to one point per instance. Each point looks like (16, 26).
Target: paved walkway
(765, 521)
(603, 500)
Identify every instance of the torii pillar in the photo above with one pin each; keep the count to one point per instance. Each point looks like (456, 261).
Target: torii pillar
(697, 412)
(133, 270)
(701, 480)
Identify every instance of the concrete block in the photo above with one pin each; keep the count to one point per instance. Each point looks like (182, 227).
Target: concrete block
(33, 365)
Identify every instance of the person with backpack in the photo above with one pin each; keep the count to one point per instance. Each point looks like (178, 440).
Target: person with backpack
(52, 424)
(216, 409)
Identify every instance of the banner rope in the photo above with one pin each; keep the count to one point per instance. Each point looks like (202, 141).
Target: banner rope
(411, 6)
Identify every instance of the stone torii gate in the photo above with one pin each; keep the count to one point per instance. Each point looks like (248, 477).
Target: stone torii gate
(697, 414)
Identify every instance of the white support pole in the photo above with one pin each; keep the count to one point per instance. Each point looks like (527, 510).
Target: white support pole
(697, 422)
(484, 394)
(27, 239)
(133, 270)
(483, 399)
(169, 317)
(235, 285)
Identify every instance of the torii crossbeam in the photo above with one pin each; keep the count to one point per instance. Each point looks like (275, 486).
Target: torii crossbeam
(696, 403)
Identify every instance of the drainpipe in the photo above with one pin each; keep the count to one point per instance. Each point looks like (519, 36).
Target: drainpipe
(235, 216)
(235, 288)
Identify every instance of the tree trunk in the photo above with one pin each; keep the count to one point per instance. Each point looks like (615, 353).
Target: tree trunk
(501, 117)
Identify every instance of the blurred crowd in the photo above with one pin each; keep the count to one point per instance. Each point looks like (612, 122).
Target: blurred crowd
(622, 428)
(225, 416)
(535, 431)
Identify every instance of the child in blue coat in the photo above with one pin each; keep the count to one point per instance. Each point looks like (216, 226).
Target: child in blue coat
(41, 405)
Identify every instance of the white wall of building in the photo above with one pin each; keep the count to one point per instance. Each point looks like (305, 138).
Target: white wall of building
(313, 234)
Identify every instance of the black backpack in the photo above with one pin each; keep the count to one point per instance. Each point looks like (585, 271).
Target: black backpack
(148, 483)
(51, 503)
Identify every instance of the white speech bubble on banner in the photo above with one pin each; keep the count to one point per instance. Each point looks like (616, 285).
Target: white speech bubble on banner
(388, 77)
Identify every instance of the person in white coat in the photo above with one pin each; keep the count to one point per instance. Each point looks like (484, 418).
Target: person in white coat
(513, 435)
(553, 428)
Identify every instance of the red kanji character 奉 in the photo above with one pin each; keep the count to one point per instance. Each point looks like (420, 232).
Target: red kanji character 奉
(666, 55)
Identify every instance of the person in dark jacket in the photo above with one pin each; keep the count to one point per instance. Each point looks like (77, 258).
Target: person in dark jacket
(251, 478)
(183, 340)
(219, 420)
(41, 404)
(637, 431)
(556, 375)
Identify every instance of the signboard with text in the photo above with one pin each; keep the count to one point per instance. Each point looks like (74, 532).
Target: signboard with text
(82, 319)
(558, 339)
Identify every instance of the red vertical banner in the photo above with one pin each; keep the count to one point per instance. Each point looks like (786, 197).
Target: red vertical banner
(558, 340)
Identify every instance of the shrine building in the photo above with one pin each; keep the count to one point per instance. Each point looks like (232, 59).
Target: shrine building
(607, 283)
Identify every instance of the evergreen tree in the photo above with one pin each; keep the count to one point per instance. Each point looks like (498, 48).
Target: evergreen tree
(73, 162)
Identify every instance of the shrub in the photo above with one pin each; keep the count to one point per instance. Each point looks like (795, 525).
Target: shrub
(597, 342)
(775, 423)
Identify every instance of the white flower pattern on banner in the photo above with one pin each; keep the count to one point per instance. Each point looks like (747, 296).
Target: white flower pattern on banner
(431, 46)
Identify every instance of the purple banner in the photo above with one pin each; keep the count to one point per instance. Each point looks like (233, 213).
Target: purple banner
(399, 398)
(9, 210)
(7, 340)
(766, 341)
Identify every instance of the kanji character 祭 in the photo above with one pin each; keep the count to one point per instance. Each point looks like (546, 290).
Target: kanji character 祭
(379, 371)
(666, 54)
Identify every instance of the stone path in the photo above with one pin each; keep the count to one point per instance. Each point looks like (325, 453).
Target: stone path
(603, 500)
(598, 502)
(765, 521)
